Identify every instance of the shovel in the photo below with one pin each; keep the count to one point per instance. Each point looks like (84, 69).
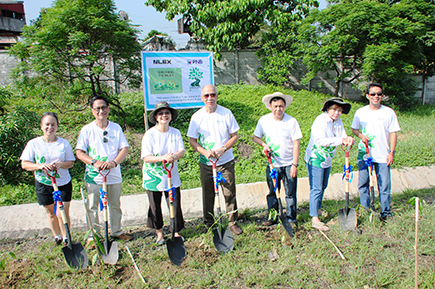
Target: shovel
(288, 228)
(175, 245)
(347, 216)
(371, 177)
(110, 255)
(222, 238)
(88, 216)
(75, 254)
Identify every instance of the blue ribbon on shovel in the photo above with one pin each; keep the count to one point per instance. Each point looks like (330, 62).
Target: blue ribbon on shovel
(173, 192)
(274, 175)
(219, 178)
(56, 198)
(348, 171)
(368, 162)
(102, 193)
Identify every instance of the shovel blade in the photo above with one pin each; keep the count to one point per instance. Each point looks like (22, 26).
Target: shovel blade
(288, 228)
(76, 257)
(176, 250)
(347, 219)
(223, 240)
(111, 257)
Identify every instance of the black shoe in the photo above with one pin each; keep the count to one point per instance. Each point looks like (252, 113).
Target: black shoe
(386, 218)
(205, 229)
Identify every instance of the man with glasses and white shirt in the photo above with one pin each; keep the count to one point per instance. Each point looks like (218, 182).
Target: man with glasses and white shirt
(102, 146)
(376, 124)
(213, 131)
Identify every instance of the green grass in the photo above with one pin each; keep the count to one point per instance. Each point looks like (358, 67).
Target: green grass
(381, 256)
(416, 140)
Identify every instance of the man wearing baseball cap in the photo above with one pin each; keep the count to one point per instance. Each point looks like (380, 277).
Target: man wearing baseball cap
(279, 134)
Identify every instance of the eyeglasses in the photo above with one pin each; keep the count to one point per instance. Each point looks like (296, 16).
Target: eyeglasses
(210, 94)
(374, 94)
(163, 113)
(105, 133)
(103, 108)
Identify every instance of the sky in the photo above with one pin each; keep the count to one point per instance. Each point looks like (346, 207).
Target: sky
(147, 17)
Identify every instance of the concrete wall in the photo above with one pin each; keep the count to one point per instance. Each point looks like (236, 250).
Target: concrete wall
(7, 63)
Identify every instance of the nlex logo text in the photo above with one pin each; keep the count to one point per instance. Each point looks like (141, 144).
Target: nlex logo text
(163, 61)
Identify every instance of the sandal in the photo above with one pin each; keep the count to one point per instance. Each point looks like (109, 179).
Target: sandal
(320, 226)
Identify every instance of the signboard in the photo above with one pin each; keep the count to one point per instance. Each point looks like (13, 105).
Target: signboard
(176, 77)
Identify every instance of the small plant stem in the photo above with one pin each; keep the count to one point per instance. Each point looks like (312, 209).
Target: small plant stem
(135, 266)
(336, 248)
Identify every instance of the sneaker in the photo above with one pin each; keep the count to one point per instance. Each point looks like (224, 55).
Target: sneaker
(123, 237)
(57, 242)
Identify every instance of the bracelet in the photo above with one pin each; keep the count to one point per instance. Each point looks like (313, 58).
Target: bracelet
(296, 165)
(115, 164)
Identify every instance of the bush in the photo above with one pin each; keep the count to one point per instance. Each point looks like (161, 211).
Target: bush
(16, 129)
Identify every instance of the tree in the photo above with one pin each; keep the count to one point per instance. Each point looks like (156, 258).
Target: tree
(368, 41)
(66, 53)
(229, 24)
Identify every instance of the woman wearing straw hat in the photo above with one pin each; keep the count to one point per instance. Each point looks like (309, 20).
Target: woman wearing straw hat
(160, 143)
(327, 132)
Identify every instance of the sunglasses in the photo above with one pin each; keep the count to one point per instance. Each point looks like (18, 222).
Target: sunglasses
(210, 94)
(374, 94)
(105, 139)
(103, 108)
(163, 113)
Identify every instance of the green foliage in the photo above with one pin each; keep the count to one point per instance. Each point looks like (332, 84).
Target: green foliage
(360, 41)
(70, 50)
(3, 259)
(16, 129)
(229, 24)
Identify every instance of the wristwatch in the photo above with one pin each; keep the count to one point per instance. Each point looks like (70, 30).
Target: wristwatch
(225, 149)
(392, 152)
(296, 165)
(93, 162)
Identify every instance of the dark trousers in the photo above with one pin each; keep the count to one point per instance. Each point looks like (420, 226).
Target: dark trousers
(155, 217)
(208, 191)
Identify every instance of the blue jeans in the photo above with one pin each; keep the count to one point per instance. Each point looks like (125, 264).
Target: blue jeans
(384, 186)
(318, 178)
(290, 185)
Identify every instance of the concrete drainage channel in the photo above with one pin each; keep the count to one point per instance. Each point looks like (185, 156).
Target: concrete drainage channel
(24, 221)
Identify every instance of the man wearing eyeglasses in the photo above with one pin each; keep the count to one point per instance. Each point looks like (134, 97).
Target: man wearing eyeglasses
(102, 146)
(213, 131)
(376, 124)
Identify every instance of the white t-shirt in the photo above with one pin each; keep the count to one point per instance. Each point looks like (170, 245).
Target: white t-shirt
(91, 141)
(326, 135)
(376, 125)
(212, 130)
(279, 136)
(156, 143)
(40, 152)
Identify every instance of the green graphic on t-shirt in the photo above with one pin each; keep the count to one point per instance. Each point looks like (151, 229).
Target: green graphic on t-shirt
(362, 147)
(40, 174)
(205, 145)
(321, 154)
(273, 147)
(92, 172)
(154, 172)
